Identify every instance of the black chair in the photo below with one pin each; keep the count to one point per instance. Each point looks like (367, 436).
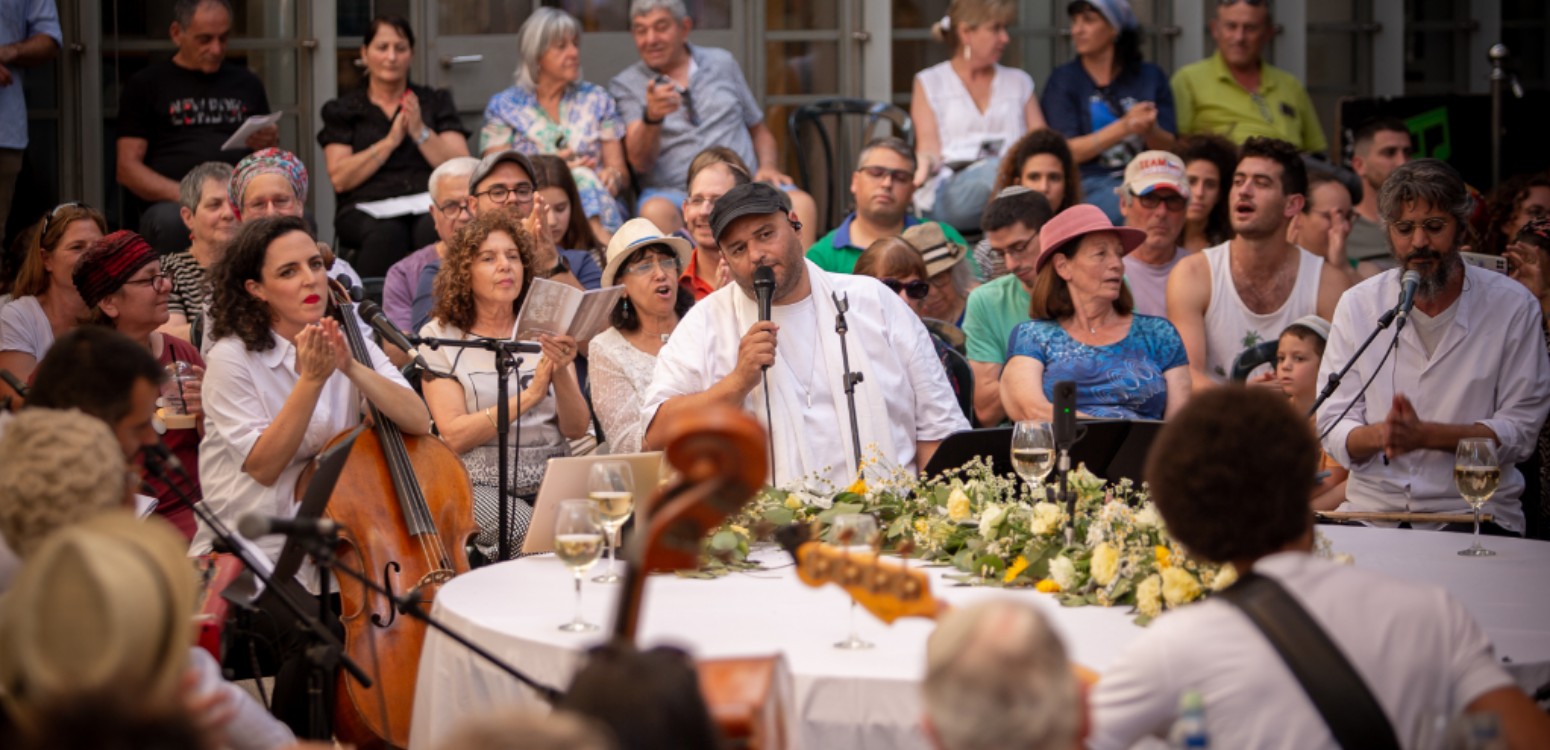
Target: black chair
(1259, 354)
(959, 368)
(827, 137)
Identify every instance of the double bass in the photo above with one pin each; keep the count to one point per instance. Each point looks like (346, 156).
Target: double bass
(404, 505)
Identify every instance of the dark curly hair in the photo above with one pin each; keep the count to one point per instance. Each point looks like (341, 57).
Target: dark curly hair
(1225, 503)
(454, 288)
(624, 315)
(1503, 205)
(234, 311)
(1224, 155)
(1041, 141)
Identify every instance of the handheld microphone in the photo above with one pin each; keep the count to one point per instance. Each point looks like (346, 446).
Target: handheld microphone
(1408, 284)
(764, 289)
(257, 526)
(372, 314)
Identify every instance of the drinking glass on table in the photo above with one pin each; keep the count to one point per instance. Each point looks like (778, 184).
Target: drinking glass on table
(1476, 472)
(578, 540)
(855, 533)
(611, 486)
(1033, 453)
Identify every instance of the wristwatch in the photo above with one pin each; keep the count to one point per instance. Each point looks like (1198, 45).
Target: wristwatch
(425, 135)
(560, 267)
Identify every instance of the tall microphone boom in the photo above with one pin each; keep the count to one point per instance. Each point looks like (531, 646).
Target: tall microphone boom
(258, 526)
(1408, 284)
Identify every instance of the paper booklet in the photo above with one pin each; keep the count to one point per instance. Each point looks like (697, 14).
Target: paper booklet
(250, 126)
(560, 309)
(403, 205)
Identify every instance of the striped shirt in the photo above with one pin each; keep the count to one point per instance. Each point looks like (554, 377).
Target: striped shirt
(190, 285)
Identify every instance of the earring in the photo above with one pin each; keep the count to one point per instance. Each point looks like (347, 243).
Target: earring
(966, 52)
(626, 305)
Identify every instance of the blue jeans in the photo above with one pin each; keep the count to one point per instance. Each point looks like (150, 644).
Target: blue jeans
(1098, 190)
(961, 199)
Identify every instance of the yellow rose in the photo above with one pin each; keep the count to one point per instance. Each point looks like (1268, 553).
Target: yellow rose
(1047, 586)
(1018, 566)
(1226, 576)
(793, 502)
(921, 527)
(1047, 518)
(859, 487)
(1179, 587)
(1162, 556)
(958, 506)
(1105, 565)
(740, 531)
(1149, 596)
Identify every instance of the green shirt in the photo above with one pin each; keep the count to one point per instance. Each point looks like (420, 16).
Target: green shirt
(1208, 100)
(991, 313)
(835, 253)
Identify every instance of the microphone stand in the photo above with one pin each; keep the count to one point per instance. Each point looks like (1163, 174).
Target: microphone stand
(409, 605)
(841, 305)
(326, 655)
(1335, 377)
(506, 360)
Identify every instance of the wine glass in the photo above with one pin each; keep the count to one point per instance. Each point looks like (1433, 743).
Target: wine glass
(611, 486)
(1033, 453)
(854, 532)
(1476, 472)
(578, 540)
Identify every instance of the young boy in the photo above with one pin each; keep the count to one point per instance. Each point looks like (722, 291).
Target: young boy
(1298, 354)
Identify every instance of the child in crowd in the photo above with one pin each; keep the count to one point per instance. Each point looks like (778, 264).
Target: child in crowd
(1298, 355)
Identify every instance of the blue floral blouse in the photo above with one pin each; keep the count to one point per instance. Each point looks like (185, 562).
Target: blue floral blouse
(1123, 380)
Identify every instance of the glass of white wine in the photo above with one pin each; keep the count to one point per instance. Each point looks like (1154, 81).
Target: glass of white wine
(611, 487)
(1476, 472)
(578, 540)
(1033, 453)
(855, 533)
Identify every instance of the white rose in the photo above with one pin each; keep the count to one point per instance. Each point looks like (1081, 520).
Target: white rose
(814, 501)
(958, 507)
(991, 519)
(1047, 519)
(1147, 517)
(1063, 572)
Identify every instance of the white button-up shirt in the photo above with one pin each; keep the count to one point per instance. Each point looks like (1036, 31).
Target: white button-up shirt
(1490, 368)
(243, 394)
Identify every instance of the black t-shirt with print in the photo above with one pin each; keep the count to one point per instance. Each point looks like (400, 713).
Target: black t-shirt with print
(185, 115)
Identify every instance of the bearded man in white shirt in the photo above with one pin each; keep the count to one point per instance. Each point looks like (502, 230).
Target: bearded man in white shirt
(722, 352)
(1469, 362)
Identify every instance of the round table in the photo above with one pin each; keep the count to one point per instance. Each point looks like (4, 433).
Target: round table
(870, 699)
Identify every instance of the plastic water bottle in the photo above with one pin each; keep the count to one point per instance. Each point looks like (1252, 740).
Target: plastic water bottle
(1189, 730)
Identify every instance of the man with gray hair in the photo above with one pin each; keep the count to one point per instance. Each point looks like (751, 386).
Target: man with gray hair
(997, 678)
(448, 187)
(1468, 361)
(883, 187)
(680, 98)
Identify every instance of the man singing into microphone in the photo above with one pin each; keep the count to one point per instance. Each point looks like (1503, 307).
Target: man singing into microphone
(723, 353)
(1469, 362)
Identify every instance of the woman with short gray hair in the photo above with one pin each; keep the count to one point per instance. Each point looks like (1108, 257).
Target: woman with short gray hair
(211, 222)
(551, 110)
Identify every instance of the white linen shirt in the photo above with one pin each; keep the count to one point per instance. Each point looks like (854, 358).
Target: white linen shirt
(904, 369)
(243, 393)
(1417, 649)
(1490, 368)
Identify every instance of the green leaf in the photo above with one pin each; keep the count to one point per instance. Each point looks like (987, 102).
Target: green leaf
(989, 566)
(724, 541)
(780, 515)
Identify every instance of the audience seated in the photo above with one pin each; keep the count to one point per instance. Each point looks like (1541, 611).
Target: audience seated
(479, 291)
(648, 699)
(622, 359)
(1244, 291)
(568, 230)
(997, 677)
(122, 284)
(512, 730)
(207, 212)
(1083, 330)
(1108, 102)
(968, 111)
(1419, 653)
(1012, 223)
(1040, 161)
(949, 272)
(1324, 225)
(550, 110)
(381, 141)
(713, 172)
(448, 188)
(1299, 352)
(679, 98)
(208, 98)
(107, 375)
(1473, 357)
(882, 186)
(1209, 161)
(45, 303)
(1379, 146)
(1153, 198)
(1236, 94)
(1514, 202)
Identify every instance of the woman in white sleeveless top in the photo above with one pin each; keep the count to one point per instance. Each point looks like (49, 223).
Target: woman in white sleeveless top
(968, 111)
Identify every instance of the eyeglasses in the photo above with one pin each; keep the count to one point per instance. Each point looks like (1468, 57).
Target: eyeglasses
(501, 193)
(916, 289)
(650, 265)
(154, 281)
(1173, 201)
(1025, 249)
(701, 201)
(54, 214)
(453, 208)
(1433, 226)
(900, 176)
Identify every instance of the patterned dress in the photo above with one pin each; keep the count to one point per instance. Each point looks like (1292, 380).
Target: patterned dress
(1122, 380)
(588, 117)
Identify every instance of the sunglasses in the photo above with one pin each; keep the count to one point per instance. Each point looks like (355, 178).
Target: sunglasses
(49, 220)
(913, 289)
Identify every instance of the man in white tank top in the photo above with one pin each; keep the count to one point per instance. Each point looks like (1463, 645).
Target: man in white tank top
(1247, 290)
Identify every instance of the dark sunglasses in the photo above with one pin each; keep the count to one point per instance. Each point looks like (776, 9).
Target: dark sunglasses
(47, 222)
(914, 289)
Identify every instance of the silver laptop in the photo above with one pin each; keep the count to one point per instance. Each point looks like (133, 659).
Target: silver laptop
(566, 478)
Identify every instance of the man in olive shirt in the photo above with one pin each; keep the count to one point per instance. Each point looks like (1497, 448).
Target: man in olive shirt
(1236, 94)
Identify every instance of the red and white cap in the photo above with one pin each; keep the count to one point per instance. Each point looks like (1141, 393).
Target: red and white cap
(1151, 170)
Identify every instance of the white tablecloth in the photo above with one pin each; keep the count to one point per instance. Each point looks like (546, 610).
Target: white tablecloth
(870, 699)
